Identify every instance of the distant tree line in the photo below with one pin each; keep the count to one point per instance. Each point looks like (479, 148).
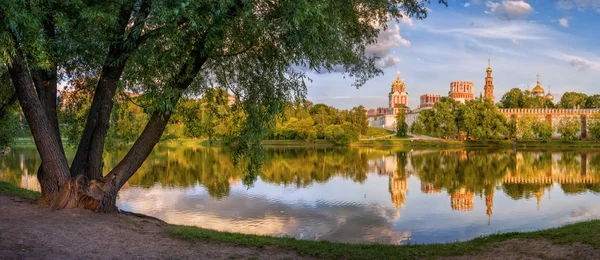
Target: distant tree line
(517, 98)
(480, 119)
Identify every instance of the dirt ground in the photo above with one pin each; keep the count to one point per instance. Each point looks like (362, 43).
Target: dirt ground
(530, 249)
(28, 231)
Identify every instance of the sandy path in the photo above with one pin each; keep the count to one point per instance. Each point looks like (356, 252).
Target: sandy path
(29, 231)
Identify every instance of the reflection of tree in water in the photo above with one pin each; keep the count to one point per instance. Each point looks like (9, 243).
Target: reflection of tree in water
(214, 169)
(462, 173)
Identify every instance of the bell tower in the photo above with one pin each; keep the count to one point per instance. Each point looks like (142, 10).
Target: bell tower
(489, 84)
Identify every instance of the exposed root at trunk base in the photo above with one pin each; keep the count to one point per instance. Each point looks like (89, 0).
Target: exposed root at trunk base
(79, 192)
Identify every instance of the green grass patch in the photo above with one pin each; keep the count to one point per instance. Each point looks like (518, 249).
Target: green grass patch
(377, 132)
(14, 190)
(587, 232)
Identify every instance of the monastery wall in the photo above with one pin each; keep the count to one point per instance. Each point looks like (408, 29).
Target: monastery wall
(554, 115)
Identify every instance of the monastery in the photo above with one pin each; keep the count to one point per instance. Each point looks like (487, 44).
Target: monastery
(385, 117)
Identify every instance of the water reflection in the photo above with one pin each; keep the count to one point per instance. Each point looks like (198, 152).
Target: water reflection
(340, 194)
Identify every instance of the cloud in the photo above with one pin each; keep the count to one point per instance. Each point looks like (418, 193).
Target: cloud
(564, 22)
(580, 64)
(519, 31)
(388, 62)
(387, 40)
(517, 42)
(407, 20)
(467, 4)
(509, 10)
(581, 5)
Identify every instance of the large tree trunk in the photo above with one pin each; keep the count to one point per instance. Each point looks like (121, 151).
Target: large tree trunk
(88, 159)
(54, 163)
(149, 137)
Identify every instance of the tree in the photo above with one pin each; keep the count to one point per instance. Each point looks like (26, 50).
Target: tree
(427, 118)
(511, 126)
(512, 99)
(593, 101)
(525, 127)
(568, 128)
(417, 128)
(595, 126)
(358, 117)
(401, 125)
(570, 100)
(543, 130)
(9, 118)
(444, 120)
(483, 120)
(259, 51)
(516, 98)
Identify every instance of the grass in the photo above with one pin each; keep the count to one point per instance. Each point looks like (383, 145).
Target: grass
(14, 190)
(587, 232)
(376, 132)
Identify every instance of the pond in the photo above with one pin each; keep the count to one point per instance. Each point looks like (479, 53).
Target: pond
(356, 195)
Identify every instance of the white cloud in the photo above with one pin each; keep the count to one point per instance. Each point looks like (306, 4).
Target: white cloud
(387, 39)
(407, 20)
(581, 5)
(517, 42)
(508, 10)
(580, 64)
(388, 62)
(517, 30)
(467, 4)
(564, 22)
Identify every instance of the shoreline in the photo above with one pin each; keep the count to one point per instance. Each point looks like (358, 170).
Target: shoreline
(579, 237)
(392, 142)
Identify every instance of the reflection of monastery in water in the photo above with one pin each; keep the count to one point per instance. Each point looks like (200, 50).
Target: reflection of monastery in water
(537, 171)
(463, 200)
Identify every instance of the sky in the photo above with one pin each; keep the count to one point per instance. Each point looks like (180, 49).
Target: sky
(557, 39)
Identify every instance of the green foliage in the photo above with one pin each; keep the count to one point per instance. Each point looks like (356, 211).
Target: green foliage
(525, 127)
(260, 51)
(74, 106)
(595, 126)
(417, 128)
(568, 128)
(511, 127)
(401, 125)
(127, 120)
(444, 119)
(571, 100)
(543, 130)
(483, 121)
(9, 122)
(342, 134)
(593, 101)
(517, 98)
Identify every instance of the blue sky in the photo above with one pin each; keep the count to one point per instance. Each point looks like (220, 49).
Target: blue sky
(558, 39)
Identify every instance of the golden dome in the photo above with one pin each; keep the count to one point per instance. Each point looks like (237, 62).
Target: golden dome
(537, 89)
(488, 70)
(549, 96)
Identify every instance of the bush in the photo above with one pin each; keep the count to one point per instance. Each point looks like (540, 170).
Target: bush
(568, 128)
(543, 130)
(595, 126)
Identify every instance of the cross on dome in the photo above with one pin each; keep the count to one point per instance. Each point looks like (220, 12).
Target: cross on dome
(538, 77)
(489, 63)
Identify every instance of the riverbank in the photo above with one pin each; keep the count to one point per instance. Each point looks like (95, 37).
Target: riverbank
(410, 143)
(32, 231)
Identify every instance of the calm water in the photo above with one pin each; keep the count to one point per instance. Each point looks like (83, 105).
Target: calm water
(356, 195)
